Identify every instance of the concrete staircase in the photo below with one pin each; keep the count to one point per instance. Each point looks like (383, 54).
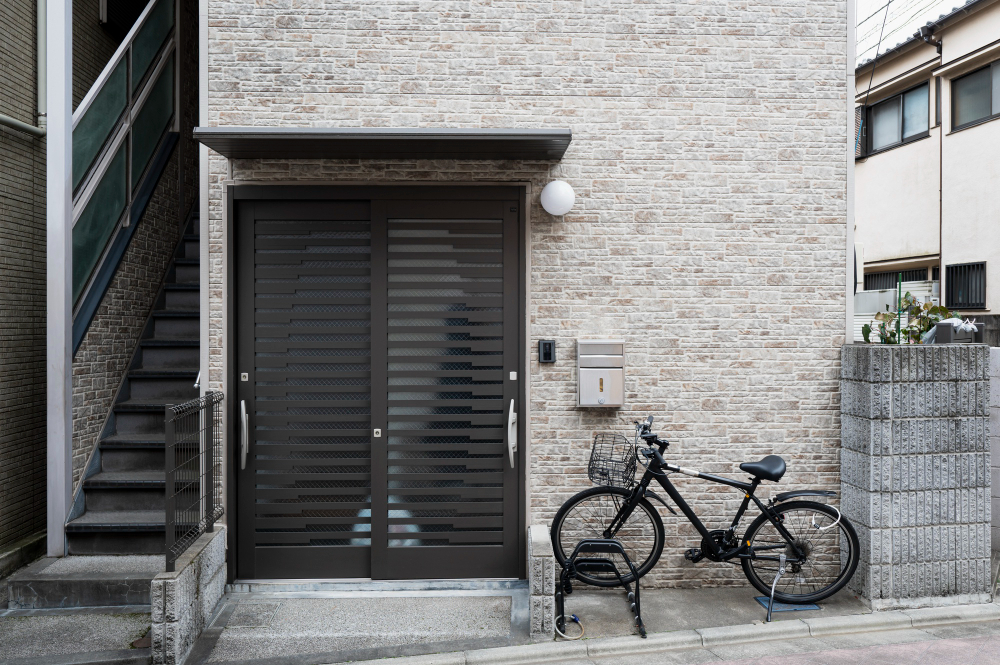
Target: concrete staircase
(124, 498)
(121, 528)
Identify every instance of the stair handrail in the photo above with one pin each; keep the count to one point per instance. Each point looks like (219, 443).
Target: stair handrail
(193, 465)
(116, 58)
(106, 162)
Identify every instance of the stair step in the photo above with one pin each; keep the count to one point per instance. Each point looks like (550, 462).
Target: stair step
(126, 442)
(84, 581)
(125, 480)
(179, 341)
(176, 313)
(119, 520)
(164, 373)
(133, 406)
(184, 261)
(182, 287)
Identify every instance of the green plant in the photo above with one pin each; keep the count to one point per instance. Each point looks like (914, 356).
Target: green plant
(886, 327)
(923, 317)
(866, 332)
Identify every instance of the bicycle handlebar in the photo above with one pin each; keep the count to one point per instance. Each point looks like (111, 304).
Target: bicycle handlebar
(643, 431)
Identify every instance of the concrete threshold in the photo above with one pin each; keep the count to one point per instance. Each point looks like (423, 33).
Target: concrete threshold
(548, 652)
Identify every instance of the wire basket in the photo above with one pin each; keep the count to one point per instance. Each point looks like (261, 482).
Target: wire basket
(612, 461)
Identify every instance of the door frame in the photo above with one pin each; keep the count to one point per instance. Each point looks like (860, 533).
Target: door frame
(234, 193)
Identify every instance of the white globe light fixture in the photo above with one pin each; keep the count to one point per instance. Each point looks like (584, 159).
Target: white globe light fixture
(558, 197)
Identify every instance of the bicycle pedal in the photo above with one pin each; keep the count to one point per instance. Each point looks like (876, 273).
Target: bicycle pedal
(694, 555)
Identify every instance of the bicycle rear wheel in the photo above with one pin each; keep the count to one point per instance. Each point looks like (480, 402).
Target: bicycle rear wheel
(825, 536)
(590, 513)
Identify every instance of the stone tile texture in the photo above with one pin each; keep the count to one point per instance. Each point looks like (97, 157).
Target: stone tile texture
(708, 160)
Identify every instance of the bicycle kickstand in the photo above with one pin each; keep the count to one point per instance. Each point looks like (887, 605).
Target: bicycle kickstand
(781, 571)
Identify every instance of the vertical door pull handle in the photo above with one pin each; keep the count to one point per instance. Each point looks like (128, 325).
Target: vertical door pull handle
(512, 433)
(244, 439)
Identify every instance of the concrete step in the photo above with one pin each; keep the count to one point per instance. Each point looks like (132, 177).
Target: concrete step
(84, 581)
(186, 271)
(170, 324)
(117, 531)
(182, 296)
(165, 385)
(169, 353)
(139, 417)
(190, 248)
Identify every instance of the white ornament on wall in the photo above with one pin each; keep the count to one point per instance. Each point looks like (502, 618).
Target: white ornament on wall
(558, 197)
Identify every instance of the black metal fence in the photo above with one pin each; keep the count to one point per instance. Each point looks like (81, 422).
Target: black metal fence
(194, 471)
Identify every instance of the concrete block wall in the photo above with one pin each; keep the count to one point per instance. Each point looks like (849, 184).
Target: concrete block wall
(994, 425)
(541, 582)
(916, 471)
(22, 285)
(708, 160)
(183, 601)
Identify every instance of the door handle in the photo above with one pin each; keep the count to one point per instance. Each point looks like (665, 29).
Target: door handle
(244, 439)
(511, 433)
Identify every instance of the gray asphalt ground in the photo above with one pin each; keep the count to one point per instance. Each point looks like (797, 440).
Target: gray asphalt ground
(56, 635)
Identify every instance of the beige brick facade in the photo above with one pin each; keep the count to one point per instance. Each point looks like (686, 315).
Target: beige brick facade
(708, 158)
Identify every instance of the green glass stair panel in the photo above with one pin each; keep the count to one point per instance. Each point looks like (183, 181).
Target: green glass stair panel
(98, 221)
(150, 38)
(152, 121)
(101, 117)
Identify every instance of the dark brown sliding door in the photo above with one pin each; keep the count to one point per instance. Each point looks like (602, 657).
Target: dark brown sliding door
(381, 341)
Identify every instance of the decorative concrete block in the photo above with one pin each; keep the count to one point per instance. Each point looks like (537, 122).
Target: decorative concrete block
(184, 600)
(541, 581)
(916, 472)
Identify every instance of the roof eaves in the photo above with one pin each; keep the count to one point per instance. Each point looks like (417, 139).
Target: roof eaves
(965, 7)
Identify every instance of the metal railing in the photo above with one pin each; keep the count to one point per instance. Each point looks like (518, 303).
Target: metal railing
(194, 471)
(117, 130)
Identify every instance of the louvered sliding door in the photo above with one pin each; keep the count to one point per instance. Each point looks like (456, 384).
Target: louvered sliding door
(381, 337)
(305, 342)
(452, 346)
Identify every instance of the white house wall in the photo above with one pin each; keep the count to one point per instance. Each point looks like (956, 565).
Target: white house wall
(896, 201)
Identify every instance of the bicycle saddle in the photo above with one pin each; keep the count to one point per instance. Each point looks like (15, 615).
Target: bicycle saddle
(771, 467)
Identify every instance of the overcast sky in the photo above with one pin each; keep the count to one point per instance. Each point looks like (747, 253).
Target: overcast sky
(904, 17)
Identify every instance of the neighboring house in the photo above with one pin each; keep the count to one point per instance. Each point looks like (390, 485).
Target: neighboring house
(925, 173)
(368, 269)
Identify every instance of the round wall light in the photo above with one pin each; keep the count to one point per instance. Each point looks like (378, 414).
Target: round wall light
(558, 197)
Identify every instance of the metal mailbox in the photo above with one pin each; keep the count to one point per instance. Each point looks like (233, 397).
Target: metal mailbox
(601, 365)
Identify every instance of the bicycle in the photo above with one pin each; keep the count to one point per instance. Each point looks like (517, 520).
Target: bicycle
(813, 542)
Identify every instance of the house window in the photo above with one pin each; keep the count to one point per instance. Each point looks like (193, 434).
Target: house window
(965, 286)
(975, 97)
(899, 119)
(875, 281)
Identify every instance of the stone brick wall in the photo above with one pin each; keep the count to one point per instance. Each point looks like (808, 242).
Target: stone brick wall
(708, 158)
(22, 284)
(916, 464)
(93, 46)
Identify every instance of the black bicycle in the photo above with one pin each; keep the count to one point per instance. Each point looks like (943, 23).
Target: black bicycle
(812, 544)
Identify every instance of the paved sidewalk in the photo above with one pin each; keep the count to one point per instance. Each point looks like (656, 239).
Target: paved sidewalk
(967, 644)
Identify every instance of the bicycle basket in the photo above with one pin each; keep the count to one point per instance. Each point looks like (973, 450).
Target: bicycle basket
(612, 461)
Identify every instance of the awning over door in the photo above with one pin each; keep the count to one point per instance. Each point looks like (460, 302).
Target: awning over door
(378, 143)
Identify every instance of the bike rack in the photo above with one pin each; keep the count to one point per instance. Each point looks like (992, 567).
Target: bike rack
(575, 565)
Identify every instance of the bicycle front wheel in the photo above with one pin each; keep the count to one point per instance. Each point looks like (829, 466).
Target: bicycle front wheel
(827, 539)
(591, 513)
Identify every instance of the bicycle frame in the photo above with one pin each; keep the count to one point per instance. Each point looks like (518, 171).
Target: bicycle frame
(657, 470)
